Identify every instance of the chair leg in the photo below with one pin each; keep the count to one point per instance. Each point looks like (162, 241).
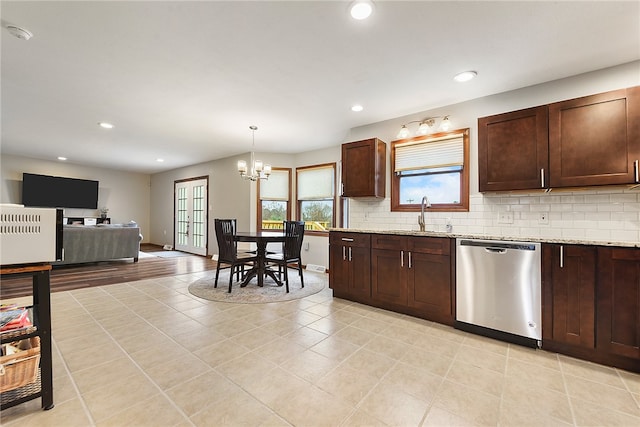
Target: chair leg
(286, 278)
(231, 276)
(215, 284)
(300, 273)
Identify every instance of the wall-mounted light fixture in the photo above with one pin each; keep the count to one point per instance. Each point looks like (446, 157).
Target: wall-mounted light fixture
(258, 169)
(425, 127)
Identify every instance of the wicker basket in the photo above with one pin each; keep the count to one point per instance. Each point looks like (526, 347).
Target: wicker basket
(20, 369)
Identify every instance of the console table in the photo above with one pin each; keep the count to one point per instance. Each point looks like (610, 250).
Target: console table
(41, 310)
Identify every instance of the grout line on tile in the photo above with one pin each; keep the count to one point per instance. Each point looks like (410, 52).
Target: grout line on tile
(126, 353)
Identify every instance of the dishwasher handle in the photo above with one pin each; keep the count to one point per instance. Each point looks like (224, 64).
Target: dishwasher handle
(496, 250)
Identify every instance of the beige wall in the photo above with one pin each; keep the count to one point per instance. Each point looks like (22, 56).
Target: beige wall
(594, 214)
(602, 214)
(126, 194)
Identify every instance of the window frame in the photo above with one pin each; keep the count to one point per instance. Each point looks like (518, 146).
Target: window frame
(260, 200)
(334, 198)
(463, 206)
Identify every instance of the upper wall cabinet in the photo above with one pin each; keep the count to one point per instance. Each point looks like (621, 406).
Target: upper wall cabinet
(364, 168)
(595, 140)
(588, 141)
(513, 150)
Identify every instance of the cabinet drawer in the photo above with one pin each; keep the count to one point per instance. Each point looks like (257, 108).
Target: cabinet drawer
(430, 245)
(360, 240)
(388, 241)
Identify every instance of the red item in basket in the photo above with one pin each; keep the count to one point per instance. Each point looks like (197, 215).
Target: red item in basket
(22, 321)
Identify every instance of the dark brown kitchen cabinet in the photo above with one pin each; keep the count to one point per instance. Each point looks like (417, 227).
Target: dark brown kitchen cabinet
(595, 140)
(618, 309)
(413, 275)
(568, 293)
(513, 150)
(389, 272)
(350, 265)
(364, 168)
(588, 141)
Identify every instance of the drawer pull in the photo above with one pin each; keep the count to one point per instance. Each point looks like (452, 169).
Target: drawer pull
(346, 239)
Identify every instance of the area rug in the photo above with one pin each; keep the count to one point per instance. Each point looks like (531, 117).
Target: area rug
(252, 293)
(169, 254)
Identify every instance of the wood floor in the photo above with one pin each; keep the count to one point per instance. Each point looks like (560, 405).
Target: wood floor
(65, 278)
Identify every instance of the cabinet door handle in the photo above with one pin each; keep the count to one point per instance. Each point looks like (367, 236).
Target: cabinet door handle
(542, 177)
(349, 253)
(561, 256)
(342, 189)
(401, 258)
(636, 168)
(344, 253)
(409, 260)
(346, 239)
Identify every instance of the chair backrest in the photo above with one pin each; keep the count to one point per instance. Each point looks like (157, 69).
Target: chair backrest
(225, 232)
(292, 247)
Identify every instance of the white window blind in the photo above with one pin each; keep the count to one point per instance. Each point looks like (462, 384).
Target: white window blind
(315, 183)
(276, 187)
(431, 153)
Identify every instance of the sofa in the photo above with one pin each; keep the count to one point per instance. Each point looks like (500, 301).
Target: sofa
(102, 242)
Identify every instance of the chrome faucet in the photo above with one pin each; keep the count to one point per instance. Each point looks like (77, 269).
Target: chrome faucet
(425, 204)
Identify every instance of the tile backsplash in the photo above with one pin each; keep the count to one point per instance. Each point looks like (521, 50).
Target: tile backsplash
(607, 215)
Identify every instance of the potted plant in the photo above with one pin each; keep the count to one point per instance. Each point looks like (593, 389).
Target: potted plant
(103, 212)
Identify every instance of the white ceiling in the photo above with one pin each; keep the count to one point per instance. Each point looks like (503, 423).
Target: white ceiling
(183, 81)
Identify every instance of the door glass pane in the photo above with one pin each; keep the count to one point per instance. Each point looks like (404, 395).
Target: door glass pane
(183, 214)
(198, 216)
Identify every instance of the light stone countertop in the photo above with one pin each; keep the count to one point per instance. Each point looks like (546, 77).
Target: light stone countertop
(489, 237)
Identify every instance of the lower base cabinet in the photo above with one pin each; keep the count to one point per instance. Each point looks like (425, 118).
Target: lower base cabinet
(350, 265)
(618, 309)
(590, 294)
(569, 295)
(591, 303)
(413, 275)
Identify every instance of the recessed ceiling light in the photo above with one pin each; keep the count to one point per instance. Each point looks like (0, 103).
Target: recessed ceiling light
(62, 158)
(357, 108)
(361, 9)
(159, 160)
(18, 32)
(105, 125)
(465, 76)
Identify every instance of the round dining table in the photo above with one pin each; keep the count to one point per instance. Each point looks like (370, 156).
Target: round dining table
(260, 269)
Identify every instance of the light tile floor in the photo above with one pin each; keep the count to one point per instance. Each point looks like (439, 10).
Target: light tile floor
(148, 353)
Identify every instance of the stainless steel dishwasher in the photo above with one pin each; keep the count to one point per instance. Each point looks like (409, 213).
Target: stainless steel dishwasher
(498, 289)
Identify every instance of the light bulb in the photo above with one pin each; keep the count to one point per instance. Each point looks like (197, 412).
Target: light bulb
(242, 167)
(404, 132)
(465, 76)
(446, 124)
(361, 10)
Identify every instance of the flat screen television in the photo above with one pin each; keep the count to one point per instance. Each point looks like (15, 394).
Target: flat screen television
(58, 192)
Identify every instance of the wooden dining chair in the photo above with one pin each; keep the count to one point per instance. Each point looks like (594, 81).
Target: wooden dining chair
(228, 251)
(291, 251)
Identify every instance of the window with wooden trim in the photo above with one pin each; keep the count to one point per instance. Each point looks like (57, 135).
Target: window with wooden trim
(274, 197)
(436, 166)
(316, 196)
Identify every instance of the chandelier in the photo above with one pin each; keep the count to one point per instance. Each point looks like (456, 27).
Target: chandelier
(426, 126)
(258, 169)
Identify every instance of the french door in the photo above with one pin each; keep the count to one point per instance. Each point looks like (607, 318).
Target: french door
(191, 201)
